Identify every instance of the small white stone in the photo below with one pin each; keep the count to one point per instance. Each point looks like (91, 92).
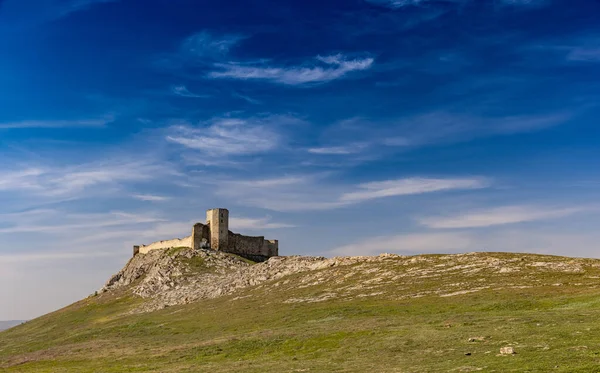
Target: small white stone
(507, 351)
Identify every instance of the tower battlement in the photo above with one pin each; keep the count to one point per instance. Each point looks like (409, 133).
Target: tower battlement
(218, 221)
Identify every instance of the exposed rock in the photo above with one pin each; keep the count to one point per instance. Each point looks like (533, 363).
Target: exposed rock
(476, 339)
(171, 277)
(179, 276)
(507, 351)
(570, 266)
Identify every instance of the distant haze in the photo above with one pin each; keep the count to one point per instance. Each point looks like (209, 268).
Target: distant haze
(9, 324)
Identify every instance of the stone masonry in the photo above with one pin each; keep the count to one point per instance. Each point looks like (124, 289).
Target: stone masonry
(215, 234)
(218, 220)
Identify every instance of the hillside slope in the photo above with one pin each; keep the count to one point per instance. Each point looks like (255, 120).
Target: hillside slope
(190, 311)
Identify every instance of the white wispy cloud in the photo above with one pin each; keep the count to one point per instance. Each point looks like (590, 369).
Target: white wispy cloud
(205, 44)
(282, 193)
(96, 122)
(60, 222)
(306, 192)
(81, 178)
(396, 141)
(339, 150)
(588, 54)
(150, 197)
(256, 223)
(71, 180)
(499, 216)
(201, 49)
(407, 244)
(51, 256)
(524, 2)
(70, 6)
(181, 90)
(20, 179)
(574, 49)
(205, 49)
(247, 98)
(136, 233)
(438, 127)
(272, 182)
(312, 193)
(326, 68)
(540, 241)
(226, 136)
(399, 187)
(232, 136)
(430, 128)
(20, 13)
(397, 4)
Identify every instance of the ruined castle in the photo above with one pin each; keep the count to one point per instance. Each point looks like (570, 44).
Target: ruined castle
(215, 234)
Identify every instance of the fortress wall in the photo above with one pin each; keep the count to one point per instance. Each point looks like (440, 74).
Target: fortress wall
(176, 242)
(253, 246)
(271, 248)
(200, 236)
(239, 244)
(215, 234)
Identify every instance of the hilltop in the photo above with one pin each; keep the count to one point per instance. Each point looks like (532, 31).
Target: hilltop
(184, 310)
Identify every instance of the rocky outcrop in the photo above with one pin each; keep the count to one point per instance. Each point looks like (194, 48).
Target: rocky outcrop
(179, 276)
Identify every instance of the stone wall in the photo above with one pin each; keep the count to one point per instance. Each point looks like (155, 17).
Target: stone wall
(271, 248)
(200, 236)
(176, 242)
(216, 235)
(252, 247)
(218, 219)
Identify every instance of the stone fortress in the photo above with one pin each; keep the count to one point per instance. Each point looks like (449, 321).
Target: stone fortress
(215, 235)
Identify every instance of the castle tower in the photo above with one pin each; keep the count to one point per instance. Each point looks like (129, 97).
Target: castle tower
(218, 219)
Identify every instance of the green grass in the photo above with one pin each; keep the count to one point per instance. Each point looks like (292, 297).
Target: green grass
(175, 250)
(196, 265)
(552, 328)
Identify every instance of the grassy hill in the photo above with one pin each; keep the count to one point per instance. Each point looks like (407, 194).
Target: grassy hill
(430, 313)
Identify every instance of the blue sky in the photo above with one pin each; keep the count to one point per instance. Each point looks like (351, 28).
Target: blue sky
(349, 127)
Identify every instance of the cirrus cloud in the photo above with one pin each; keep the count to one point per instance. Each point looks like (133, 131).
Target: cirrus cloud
(230, 136)
(500, 216)
(72, 123)
(330, 68)
(204, 44)
(408, 186)
(312, 193)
